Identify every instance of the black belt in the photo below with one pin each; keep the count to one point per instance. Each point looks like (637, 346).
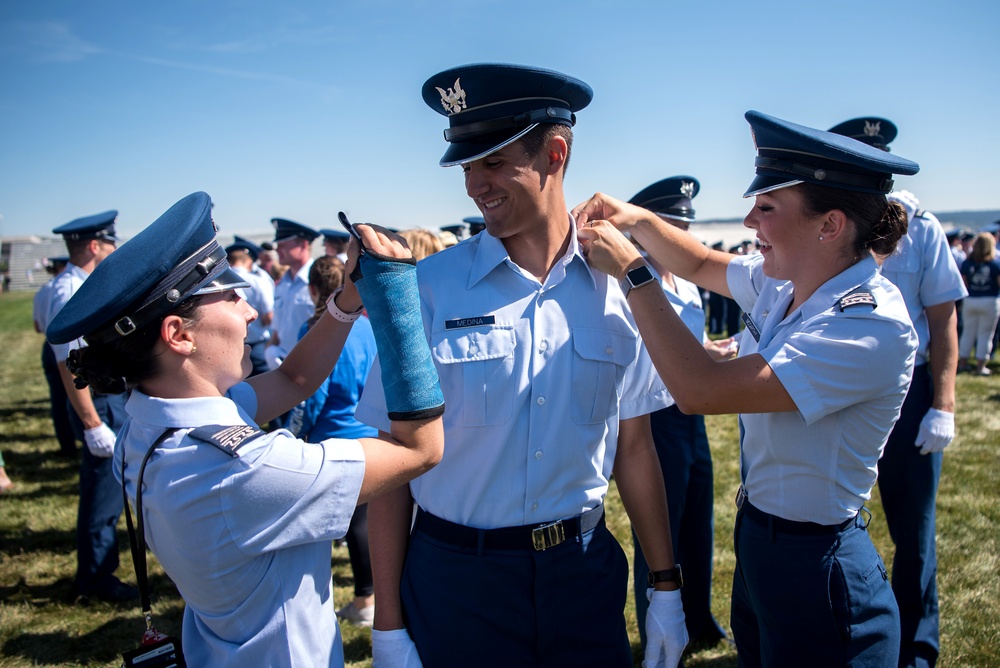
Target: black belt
(781, 525)
(538, 537)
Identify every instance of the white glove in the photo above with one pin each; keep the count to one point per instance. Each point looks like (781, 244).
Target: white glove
(394, 648)
(936, 431)
(274, 356)
(100, 441)
(666, 633)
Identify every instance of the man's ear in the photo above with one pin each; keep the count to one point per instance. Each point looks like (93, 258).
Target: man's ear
(557, 151)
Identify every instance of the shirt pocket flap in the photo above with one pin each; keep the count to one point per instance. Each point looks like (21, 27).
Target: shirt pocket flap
(473, 345)
(601, 345)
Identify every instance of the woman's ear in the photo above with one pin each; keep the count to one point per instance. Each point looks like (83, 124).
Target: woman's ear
(176, 335)
(834, 225)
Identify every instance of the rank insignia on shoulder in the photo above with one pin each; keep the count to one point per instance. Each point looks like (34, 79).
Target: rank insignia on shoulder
(856, 298)
(229, 439)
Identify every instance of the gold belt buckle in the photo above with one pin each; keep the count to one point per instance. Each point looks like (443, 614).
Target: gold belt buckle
(547, 535)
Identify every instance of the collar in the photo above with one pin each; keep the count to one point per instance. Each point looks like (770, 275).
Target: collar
(491, 253)
(830, 292)
(183, 413)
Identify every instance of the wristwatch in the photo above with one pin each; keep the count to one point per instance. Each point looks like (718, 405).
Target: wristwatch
(669, 575)
(636, 278)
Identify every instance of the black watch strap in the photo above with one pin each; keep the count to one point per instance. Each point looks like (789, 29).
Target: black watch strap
(670, 575)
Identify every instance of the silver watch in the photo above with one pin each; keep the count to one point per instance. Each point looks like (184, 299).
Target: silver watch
(636, 278)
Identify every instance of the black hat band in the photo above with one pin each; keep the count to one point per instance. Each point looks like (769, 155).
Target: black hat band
(472, 130)
(178, 285)
(825, 176)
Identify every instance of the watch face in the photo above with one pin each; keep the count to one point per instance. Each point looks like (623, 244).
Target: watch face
(640, 276)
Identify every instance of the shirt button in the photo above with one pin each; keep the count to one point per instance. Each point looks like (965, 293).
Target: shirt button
(609, 350)
(540, 401)
(538, 454)
(534, 506)
(543, 346)
(473, 350)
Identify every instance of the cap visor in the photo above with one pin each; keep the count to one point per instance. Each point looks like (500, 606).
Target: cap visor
(227, 280)
(460, 153)
(765, 184)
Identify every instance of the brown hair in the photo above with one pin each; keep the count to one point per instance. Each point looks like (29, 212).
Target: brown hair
(540, 137)
(325, 275)
(878, 223)
(984, 248)
(422, 242)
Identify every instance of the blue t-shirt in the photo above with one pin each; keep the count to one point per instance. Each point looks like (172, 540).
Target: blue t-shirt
(981, 277)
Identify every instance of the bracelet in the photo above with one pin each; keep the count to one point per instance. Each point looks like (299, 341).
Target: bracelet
(334, 310)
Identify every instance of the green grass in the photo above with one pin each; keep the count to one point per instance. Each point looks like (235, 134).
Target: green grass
(40, 627)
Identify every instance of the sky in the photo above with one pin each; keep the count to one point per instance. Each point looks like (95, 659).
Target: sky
(301, 109)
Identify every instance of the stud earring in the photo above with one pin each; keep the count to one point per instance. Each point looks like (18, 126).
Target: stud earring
(821, 237)
(194, 349)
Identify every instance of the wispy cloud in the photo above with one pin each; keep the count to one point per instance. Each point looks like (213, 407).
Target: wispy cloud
(45, 41)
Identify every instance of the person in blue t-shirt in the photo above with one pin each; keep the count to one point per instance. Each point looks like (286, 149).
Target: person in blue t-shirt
(981, 273)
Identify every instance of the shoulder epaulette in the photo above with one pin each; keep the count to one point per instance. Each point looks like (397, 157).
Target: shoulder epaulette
(858, 296)
(229, 439)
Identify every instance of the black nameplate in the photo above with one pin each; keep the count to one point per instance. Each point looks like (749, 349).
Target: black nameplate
(228, 439)
(475, 321)
(752, 328)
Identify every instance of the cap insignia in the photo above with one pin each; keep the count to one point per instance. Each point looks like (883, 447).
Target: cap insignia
(687, 189)
(453, 99)
(873, 129)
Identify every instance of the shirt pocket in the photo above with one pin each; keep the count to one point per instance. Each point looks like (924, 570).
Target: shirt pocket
(903, 268)
(600, 359)
(481, 362)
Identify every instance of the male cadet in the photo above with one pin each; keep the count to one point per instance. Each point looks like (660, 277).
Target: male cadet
(681, 441)
(335, 243)
(925, 273)
(292, 303)
(548, 390)
(95, 420)
(58, 401)
(242, 255)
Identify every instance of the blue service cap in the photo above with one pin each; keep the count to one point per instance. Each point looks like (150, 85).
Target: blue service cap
(335, 235)
(458, 230)
(285, 230)
(490, 105)
(789, 154)
(871, 130)
(476, 224)
(241, 244)
(98, 226)
(176, 257)
(670, 197)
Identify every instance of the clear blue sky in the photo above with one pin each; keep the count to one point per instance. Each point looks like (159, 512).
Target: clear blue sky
(300, 109)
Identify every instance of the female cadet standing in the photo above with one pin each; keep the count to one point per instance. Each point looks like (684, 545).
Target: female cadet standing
(823, 367)
(241, 520)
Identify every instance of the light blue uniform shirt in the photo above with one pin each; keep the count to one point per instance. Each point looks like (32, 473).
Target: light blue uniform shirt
(847, 371)
(535, 378)
(924, 271)
(246, 539)
(64, 286)
(292, 306)
(260, 295)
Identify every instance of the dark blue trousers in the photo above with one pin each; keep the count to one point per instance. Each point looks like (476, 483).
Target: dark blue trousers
(686, 461)
(101, 504)
(811, 600)
(58, 402)
(517, 607)
(908, 483)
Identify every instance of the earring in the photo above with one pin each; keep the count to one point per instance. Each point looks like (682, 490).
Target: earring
(194, 349)
(821, 237)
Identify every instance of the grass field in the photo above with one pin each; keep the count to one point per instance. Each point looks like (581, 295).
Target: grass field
(40, 627)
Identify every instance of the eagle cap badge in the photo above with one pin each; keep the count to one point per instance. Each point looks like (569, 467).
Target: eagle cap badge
(453, 99)
(687, 189)
(872, 129)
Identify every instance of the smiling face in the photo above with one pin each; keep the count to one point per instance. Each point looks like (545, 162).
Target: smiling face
(220, 335)
(787, 234)
(513, 189)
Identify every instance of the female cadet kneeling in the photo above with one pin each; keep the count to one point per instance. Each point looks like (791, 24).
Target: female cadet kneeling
(823, 367)
(241, 520)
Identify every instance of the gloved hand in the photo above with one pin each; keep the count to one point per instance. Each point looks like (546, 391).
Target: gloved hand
(936, 431)
(394, 648)
(100, 441)
(666, 633)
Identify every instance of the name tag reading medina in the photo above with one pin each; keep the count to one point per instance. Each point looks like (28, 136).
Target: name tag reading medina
(856, 298)
(476, 321)
(228, 439)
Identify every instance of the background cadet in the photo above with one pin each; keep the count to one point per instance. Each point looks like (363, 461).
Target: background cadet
(681, 440)
(548, 388)
(95, 419)
(292, 303)
(925, 273)
(59, 406)
(242, 255)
